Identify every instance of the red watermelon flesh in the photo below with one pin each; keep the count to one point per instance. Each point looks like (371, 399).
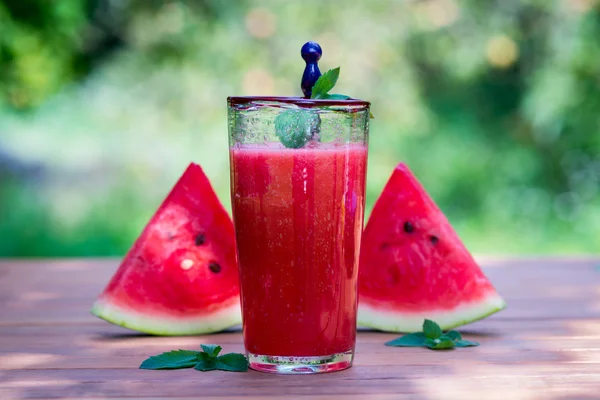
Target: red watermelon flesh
(413, 265)
(180, 277)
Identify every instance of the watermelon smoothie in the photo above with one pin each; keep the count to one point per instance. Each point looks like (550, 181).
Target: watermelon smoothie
(298, 217)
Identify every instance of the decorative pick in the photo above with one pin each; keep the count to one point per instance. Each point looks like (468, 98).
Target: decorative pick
(311, 53)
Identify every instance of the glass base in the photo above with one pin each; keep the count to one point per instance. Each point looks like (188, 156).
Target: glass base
(301, 365)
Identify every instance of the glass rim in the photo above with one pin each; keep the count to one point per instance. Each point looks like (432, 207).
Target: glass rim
(299, 101)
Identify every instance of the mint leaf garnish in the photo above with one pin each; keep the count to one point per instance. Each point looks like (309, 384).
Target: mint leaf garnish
(325, 83)
(416, 339)
(232, 362)
(431, 329)
(336, 97)
(432, 337)
(295, 127)
(206, 360)
(172, 360)
(211, 349)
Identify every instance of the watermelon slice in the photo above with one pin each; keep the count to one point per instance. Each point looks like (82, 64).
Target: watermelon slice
(414, 266)
(180, 277)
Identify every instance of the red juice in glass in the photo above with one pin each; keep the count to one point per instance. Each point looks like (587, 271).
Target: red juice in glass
(298, 215)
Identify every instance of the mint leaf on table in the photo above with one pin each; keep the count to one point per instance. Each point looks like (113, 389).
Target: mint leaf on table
(325, 83)
(416, 339)
(212, 350)
(433, 338)
(206, 360)
(295, 127)
(431, 329)
(232, 362)
(465, 343)
(442, 343)
(172, 360)
(454, 335)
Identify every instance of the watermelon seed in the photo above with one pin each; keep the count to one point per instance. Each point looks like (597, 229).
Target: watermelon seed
(434, 239)
(200, 239)
(170, 236)
(408, 227)
(214, 267)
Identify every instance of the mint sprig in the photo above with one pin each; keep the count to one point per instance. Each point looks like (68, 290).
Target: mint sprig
(416, 339)
(206, 360)
(433, 338)
(175, 359)
(325, 83)
(431, 329)
(212, 350)
(232, 362)
(296, 127)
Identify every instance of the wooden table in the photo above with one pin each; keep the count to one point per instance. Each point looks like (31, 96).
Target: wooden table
(546, 345)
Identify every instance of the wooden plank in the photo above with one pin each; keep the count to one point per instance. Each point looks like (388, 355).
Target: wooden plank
(471, 381)
(102, 347)
(250, 397)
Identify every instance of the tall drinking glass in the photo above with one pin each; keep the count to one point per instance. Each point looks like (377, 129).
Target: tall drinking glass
(298, 215)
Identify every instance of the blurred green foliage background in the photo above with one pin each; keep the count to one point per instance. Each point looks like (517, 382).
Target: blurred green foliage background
(495, 105)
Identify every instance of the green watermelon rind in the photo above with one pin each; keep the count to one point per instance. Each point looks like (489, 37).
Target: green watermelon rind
(408, 322)
(219, 320)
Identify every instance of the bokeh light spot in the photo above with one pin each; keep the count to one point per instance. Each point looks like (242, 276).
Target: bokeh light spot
(438, 13)
(171, 18)
(330, 44)
(580, 6)
(261, 23)
(501, 51)
(258, 82)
